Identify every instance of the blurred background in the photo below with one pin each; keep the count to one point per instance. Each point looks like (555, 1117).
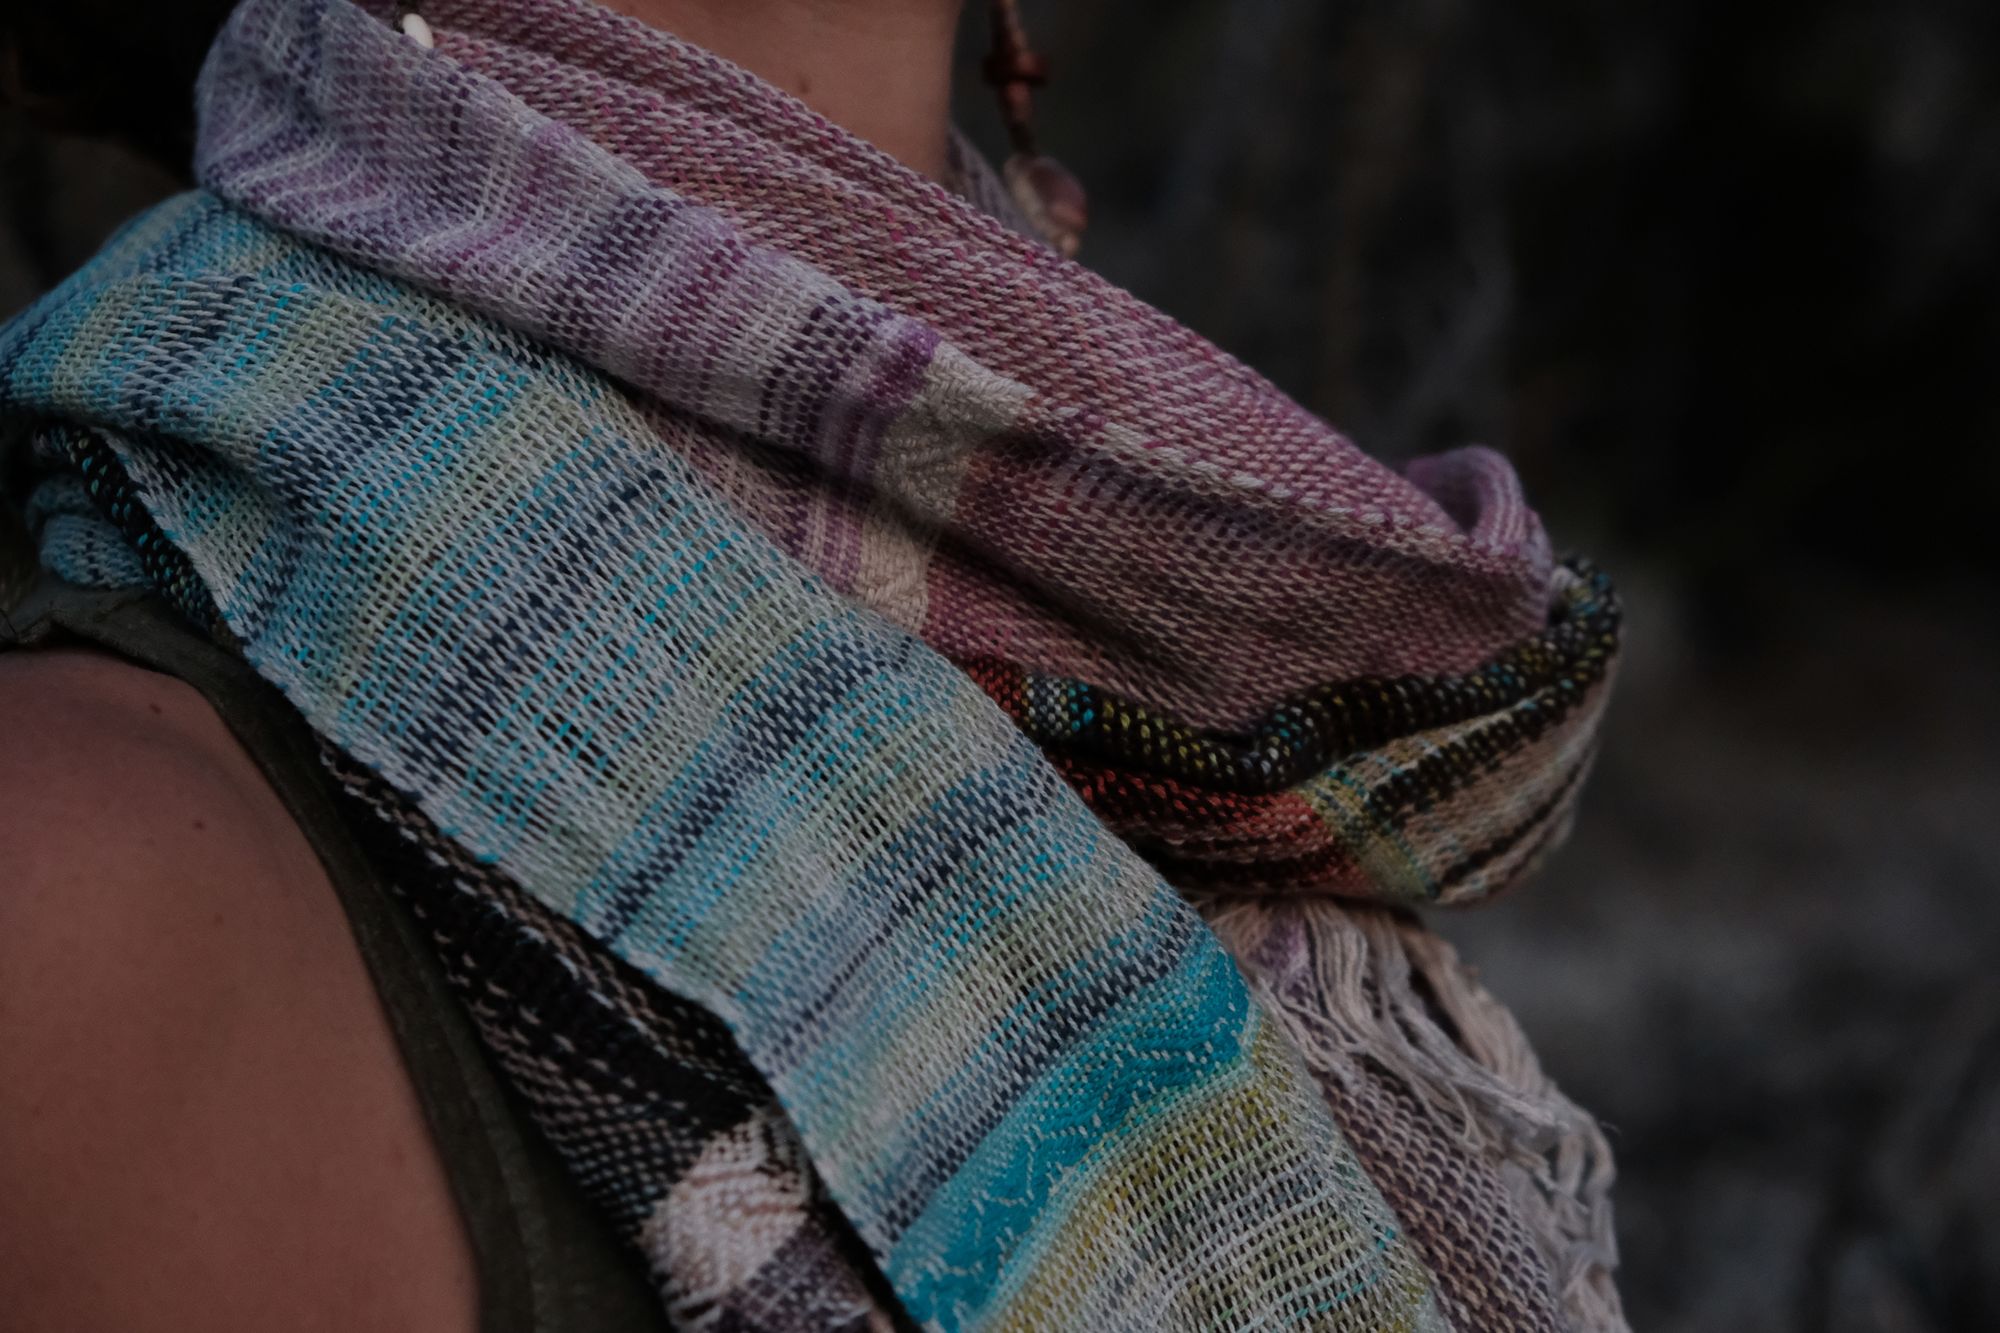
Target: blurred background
(1722, 280)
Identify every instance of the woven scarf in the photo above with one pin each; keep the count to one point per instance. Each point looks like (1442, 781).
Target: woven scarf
(805, 651)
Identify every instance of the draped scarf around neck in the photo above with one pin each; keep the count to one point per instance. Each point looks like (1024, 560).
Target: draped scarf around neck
(781, 625)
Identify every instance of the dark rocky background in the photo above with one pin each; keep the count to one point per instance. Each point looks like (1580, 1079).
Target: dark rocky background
(1722, 280)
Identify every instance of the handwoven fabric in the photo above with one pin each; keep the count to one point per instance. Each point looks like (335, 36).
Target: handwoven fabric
(777, 623)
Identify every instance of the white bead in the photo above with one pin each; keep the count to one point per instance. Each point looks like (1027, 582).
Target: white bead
(419, 31)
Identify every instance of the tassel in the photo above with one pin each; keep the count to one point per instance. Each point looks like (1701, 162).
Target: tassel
(1345, 980)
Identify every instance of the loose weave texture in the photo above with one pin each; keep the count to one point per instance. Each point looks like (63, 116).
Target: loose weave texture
(1053, 1120)
(1105, 500)
(648, 492)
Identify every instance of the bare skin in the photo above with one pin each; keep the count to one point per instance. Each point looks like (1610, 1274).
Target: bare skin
(880, 69)
(204, 1119)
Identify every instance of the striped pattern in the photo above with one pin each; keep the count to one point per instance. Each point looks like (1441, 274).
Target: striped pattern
(1001, 1039)
(1412, 791)
(1060, 499)
(777, 623)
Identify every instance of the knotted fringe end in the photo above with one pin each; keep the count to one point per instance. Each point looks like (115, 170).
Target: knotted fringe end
(1356, 986)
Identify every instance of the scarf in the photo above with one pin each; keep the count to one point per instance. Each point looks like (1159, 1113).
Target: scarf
(799, 645)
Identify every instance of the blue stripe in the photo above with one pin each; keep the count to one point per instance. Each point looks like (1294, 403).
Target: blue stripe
(1165, 1043)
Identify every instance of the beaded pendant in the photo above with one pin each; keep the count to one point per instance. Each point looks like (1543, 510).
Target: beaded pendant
(1043, 189)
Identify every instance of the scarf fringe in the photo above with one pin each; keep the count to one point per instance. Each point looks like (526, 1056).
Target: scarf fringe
(1351, 983)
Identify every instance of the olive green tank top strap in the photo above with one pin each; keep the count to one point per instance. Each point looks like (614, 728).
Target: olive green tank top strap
(547, 1263)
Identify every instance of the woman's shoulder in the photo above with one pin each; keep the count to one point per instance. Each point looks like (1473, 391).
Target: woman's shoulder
(109, 769)
(204, 1118)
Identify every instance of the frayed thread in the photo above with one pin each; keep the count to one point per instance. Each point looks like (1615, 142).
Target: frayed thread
(1353, 984)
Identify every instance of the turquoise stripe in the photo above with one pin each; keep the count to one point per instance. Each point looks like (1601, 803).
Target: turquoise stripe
(520, 686)
(597, 675)
(714, 868)
(874, 1025)
(1167, 1041)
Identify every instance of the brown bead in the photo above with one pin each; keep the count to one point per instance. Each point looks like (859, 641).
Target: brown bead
(1013, 65)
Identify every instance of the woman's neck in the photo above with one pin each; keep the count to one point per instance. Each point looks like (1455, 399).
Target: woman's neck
(880, 69)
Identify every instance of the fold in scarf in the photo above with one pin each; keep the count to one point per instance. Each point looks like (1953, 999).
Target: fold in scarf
(648, 492)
